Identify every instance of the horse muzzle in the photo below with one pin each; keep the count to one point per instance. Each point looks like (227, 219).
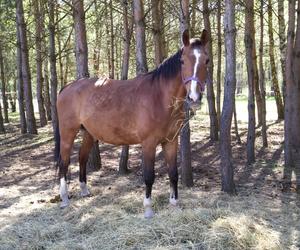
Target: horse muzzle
(194, 105)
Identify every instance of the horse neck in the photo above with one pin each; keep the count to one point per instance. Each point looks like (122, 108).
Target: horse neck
(173, 89)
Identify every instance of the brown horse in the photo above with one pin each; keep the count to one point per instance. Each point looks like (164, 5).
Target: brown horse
(146, 110)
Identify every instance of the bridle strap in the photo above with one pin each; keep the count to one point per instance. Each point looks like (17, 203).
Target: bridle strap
(197, 80)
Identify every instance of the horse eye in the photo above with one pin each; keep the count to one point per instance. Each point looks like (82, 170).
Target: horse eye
(182, 62)
(207, 61)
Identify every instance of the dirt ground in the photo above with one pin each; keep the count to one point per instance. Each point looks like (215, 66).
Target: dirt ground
(261, 216)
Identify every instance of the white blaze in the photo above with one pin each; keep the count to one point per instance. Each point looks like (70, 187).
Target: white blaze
(193, 92)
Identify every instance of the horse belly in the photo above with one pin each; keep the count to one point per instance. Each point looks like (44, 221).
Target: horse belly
(117, 134)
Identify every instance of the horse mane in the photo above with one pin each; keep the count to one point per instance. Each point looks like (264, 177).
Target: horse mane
(168, 68)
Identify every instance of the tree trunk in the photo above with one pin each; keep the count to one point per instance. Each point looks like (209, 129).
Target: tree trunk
(46, 89)
(292, 105)
(81, 49)
(12, 96)
(20, 88)
(185, 143)
(123, 164)
(39, 62)
(21, 27)
(250, 59)
(112, 41)
(262, 77)
(94, 161)
(157, 30)
(228, 103)
(3, 85)
(193, 17)
(282, 41)
(141, 60)
(210, 89)
(59, 55)
(219, 65)
(2, 128)
(236, 128)
(53, 72)
(278, 99)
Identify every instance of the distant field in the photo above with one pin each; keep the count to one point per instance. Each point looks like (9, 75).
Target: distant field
(242, 109)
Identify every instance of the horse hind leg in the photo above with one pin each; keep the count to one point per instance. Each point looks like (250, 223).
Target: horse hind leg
(170, 154)
(85, 149)
(149, 175)
(67, 138)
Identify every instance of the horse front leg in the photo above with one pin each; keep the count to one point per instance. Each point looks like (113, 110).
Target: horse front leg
(148, 159)
(170, 154)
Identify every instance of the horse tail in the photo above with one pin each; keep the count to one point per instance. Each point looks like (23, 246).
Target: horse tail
(57, 145)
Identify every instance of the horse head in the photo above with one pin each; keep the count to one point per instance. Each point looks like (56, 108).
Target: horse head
(194, 60)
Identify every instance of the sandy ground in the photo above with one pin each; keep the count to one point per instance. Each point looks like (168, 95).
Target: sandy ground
(261, 216)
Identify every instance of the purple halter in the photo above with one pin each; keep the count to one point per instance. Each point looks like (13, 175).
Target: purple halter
(196, 79)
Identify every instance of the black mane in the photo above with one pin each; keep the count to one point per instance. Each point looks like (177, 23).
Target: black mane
(169, 68)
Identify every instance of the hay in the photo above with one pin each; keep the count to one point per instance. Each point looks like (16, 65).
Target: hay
(204, 221)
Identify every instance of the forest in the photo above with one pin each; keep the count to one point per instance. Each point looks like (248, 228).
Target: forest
(238, 152)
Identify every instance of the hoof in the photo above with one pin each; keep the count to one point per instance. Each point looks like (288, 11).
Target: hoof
(148, 213)
(173, 202)
(84, 190)
(64, 204)
(85, 193)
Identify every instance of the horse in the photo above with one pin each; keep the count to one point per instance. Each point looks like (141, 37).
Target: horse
(146, 110)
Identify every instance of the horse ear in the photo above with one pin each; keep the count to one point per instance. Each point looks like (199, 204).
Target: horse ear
(186, 38)
(204, 37)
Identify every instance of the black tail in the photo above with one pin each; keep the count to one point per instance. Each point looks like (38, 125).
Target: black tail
(57, 145)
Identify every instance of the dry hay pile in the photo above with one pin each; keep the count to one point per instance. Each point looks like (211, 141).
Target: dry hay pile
(111, 220)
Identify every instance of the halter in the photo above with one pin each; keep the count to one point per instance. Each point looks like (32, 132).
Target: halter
(197, 80)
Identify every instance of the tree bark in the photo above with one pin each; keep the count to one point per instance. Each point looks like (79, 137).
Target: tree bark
(236, 128)
(227, 172)
(20, 87)
(21, 27)
(278, 99)
(193, 17)
(94, 161)
(141, 60)
(214, 136)
(39, 62)
(3, 85)
(292, 105)
(81, 49)
(262, 77)
(157, 30)
(53, 71)
(123, 164)
(250, 59)
(2, 128)
(46, 89)
(282, 41)
(219, 64)
(185, 143)
(112, 41)
(59, 55)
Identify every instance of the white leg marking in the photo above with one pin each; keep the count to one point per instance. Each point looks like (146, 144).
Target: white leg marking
(63, 190)
(193, 92)
(84, 190)
(148, 210)
(173, 201)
